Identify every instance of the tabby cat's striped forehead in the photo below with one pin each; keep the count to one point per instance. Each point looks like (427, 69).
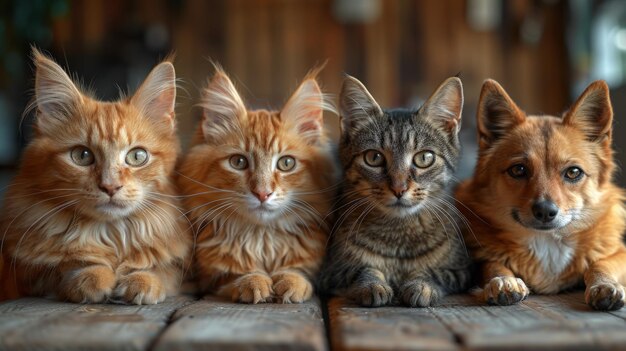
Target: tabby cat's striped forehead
(401, 131)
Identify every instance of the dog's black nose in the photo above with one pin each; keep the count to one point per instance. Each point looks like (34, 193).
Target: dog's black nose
(545, 210)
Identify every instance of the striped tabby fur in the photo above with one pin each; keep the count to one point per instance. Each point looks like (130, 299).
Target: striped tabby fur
(395, 239)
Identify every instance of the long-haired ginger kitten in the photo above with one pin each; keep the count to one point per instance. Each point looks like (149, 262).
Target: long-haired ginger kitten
(257, 185)
(545, 214)
(91, 215)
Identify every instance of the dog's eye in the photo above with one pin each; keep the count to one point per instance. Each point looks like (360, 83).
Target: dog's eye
(573, 174)
(374, 158)
(518, 171)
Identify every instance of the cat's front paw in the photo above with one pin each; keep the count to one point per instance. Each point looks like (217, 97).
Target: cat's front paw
(140, 288)
(371, 294)
(92, 284)
(420, 293)
(290, 287)
(252, 288)
(605, 296)
(505, 291)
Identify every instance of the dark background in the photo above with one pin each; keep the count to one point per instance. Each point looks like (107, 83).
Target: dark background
(544, 52)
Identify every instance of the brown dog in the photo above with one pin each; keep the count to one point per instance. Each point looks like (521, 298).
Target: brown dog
(543, 211)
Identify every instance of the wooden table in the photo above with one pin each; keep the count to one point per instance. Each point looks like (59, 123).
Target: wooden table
(183, 323)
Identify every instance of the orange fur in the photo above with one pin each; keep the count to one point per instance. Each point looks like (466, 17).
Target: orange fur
(63, 234)
(244, 251)
(587, 248)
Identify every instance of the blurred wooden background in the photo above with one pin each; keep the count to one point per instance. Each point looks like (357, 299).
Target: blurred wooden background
(402, 52)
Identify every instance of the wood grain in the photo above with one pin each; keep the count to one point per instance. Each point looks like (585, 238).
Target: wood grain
(461, 322)
(386, 328)
(41, 324)
(217, 324)
(556, 322)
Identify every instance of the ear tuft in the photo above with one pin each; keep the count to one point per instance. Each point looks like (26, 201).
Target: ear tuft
(445, 105)
(497, 113)
(304, 111)
(356, 105)
(222, 107)
(56, 96)
(592, 113)
(156, 97)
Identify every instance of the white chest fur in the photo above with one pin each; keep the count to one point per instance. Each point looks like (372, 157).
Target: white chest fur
(554, 253)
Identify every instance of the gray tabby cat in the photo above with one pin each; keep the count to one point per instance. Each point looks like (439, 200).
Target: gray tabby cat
(395, 240)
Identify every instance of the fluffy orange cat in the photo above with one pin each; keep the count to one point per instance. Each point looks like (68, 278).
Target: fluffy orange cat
(257, 185)
(544, 212)
(92, 215)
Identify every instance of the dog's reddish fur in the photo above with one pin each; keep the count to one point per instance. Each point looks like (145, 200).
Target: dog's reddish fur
(513, 256)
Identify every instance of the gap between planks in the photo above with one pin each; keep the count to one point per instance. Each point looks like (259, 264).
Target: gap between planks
(216, 324)
(37, 323)
(462, 322)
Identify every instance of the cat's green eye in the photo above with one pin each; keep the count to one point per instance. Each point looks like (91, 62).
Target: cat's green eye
(374, 158)
(137, 157)
(286, 163)
(82, 156)
(239, 162)
(424, 159)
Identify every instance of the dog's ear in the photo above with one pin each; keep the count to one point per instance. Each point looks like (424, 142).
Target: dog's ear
(497, 113)
(592, 112)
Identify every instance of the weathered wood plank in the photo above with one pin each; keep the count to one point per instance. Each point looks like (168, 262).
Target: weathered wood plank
(463, 322)
(386, 328)
(42, 324)
(217, 324)
(539, 323)
(607, 330)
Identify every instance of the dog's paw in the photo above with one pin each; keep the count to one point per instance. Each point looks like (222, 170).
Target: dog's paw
(420, 293)
(252, 288)
(93, 284)
(505, 291)
(140, 288)
(371, 294)
(605, 296)
(290, 287)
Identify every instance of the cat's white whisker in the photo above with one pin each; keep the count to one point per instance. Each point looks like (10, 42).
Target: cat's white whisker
(464, 219)
(204, 185)
(23, 212)
(48, 214)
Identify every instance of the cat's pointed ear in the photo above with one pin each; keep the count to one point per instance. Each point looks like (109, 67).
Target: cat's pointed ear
(356, 105)
(222, 108)
(156, 97)
(497, 113)
(592, 113)
(56, 96)
(445, 105)
(304, 111)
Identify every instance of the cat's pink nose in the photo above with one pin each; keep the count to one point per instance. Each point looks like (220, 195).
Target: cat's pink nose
(262, 195)
(110, 189)
(399, 190)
